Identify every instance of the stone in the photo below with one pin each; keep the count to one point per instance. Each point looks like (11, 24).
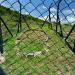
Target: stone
(46, 49)
(28, 54)
(37, 53)
(2, 59)
(34, 54)
(17, 42)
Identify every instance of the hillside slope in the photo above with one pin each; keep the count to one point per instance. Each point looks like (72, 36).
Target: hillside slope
(57, 60)
(12, 19)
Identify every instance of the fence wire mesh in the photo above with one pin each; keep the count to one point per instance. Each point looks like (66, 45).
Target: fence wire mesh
(37, 37)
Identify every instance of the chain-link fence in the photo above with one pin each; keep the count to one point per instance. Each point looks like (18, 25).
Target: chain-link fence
(37, 37)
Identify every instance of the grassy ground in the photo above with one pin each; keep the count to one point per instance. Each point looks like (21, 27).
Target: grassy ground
(59, 60)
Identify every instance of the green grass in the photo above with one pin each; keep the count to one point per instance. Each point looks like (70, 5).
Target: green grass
(31, 46)
(73, 70)
(46, 64)
(58, 59)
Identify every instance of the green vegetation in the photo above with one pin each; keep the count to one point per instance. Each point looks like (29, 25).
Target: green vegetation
(7, 12)
(73, 70)
(38, 65)
(56, 61)
(31, 46)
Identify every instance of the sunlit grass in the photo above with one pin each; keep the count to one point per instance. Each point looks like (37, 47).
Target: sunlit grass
(37, 65)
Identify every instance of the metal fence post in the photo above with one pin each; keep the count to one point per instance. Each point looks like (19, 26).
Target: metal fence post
(58, 19)
(1, 40)
(20, 21)
(20, 16)
(70, 32)
(74, 47)
(50, 16)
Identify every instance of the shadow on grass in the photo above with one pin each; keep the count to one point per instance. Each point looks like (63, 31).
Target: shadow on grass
(2, 72)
